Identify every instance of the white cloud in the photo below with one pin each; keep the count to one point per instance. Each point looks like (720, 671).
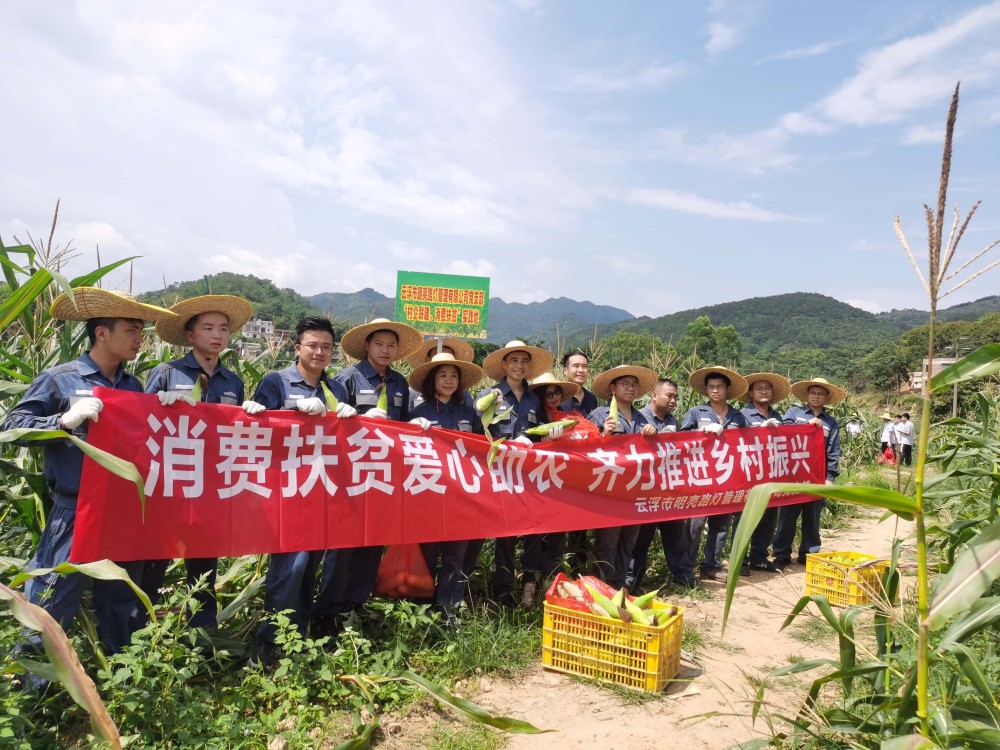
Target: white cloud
(812, 51)
(756, 152)
(624, 77)
(721, 37)
(924, 134)
(690, 203)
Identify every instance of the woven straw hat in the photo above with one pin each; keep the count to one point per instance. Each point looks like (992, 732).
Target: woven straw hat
(886, 415)
(237, 310)
(469, 373)
(646, 377)
(546, 379)
(429, 348)
(737, 383)
(353, 343)
(89, 302)
(541, 360)
(801, 390)
(780, 385)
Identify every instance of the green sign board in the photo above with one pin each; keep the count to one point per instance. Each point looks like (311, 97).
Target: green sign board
(443, 304)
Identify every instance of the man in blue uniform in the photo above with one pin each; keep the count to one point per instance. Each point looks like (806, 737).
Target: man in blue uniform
(204, 324)
(816, 394)
(291, 576)
(714, 416)
(576, 369)
(61, 398)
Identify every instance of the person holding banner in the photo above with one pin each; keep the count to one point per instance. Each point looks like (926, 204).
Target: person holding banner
(720, 384)
(816, 394)
(674, 535)
(61, 398)
(511, 367)
(291, 576)
(766, 389)
(455, 347)
(441, 382)
(625, 383)
(348, 583)
(576, 369)
(204, 324)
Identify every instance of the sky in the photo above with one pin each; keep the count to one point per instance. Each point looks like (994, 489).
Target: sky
(651, 156)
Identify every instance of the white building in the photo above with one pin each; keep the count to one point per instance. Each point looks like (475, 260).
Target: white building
(258, 329)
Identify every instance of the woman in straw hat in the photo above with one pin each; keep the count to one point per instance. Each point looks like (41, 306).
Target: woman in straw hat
(613, 546)
(204, 324)
(448, 345)
(817, 394)
(347, 585)
(714, 416)
(60, 399)
(766, 389)
(441, 382)
(511, 367)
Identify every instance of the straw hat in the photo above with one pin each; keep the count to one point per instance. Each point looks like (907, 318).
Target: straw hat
(541, 360)
(737, 383)
(429, 348)
(546, 379)
(780, 385)
(469, 373)
(646, 377)
(885, 415)
(801, 390)
(237, 310)
(89, 302)
(353, 343)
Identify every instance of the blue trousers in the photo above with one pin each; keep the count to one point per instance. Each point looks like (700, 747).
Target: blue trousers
(60, 595)
(347, 580)
(613, 550)
(762, 536)
(788, 515)
(674, 536)
(715, 542)
(449, 580)
(289, 584)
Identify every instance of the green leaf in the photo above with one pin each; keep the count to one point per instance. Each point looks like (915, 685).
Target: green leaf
(8, 389)
(982, 362)
(983, 613)
(974, 571)
(973, 670)
(104, 570)
(22, 297)
(910, 742)
(93, 277)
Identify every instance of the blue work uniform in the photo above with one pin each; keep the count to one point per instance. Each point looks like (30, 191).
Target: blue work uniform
(810, 511)
(348, 584)
(613, 546)
(523, 415)
(761, 538)
(585, 402)
(291, 576)
(674, 535)
(718, 525)
(224, 387)
(48, 397)
(449, 579)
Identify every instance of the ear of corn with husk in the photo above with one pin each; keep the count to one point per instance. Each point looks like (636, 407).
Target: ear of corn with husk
(545, 429)
(331, 400)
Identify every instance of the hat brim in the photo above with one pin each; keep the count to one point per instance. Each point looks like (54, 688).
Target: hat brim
(353, 343)
(429, 348)
(569, 390)
(541, 361)
(646, 377)
(469, 375)
(737, 383)
(237, 311)
(89, 302)
(801, 391)
(780, 385)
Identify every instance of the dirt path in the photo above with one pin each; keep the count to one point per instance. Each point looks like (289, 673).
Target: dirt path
(708, 706)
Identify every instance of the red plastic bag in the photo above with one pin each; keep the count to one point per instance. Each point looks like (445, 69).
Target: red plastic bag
(403, 573)
(552, 596)
(888, 456)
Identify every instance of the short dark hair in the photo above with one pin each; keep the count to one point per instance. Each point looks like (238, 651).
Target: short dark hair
(94, 323)
(427, 387)
(718, 376)
(667, 381)
(906, 415)
(574, 353)
(382, 330)
(314, 323)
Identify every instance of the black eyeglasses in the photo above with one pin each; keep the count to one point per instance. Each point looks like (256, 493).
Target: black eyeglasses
(553, 394)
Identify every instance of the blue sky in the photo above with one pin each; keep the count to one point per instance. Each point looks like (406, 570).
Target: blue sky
(655, 157)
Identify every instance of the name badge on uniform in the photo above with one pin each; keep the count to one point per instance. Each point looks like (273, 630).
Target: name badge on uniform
(367, 398)
(532, 417)
(397, 400)
(292, 402)
(464, 425)
(228, 398)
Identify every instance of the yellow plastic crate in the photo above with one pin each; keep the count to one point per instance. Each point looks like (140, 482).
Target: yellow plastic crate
(644, 657)
(838, 577)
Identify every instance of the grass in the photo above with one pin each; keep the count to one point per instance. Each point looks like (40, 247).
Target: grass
(811, 630)
(465, 738)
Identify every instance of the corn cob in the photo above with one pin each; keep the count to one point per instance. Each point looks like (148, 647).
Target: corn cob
(545, 429)
(619, 598)
(638, 615)
(613, 410)
(383, 399)
(603, 602)
(645, 601)
(331, 400)
(199, 386)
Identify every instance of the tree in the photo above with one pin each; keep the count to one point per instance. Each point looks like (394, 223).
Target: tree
(716, 345)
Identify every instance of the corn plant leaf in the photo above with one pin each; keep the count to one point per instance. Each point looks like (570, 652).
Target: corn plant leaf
(65, 662)
(117, 466)
(974, 571)
(983, 613)
(969, 663)
(473, 711)
(982, 362)
(8, 389)
(802, 666)
(24, 296)
(104, 570)
(89, 279)
(11, 562)
(909, 742)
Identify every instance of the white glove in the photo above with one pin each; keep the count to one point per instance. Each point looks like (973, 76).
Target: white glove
(771, 423)
(554, 434)
(669, 428)
(168, 398)
(82, 410)
(344, 411)
(313, 406)
(712, 427)
(498, 394)
(425, 424)
(523, 440)
(252, 407)
(376, 413)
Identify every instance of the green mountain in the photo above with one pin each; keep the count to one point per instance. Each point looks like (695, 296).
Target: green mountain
(904, 320)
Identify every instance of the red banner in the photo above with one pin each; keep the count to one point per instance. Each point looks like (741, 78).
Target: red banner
(220, 483)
